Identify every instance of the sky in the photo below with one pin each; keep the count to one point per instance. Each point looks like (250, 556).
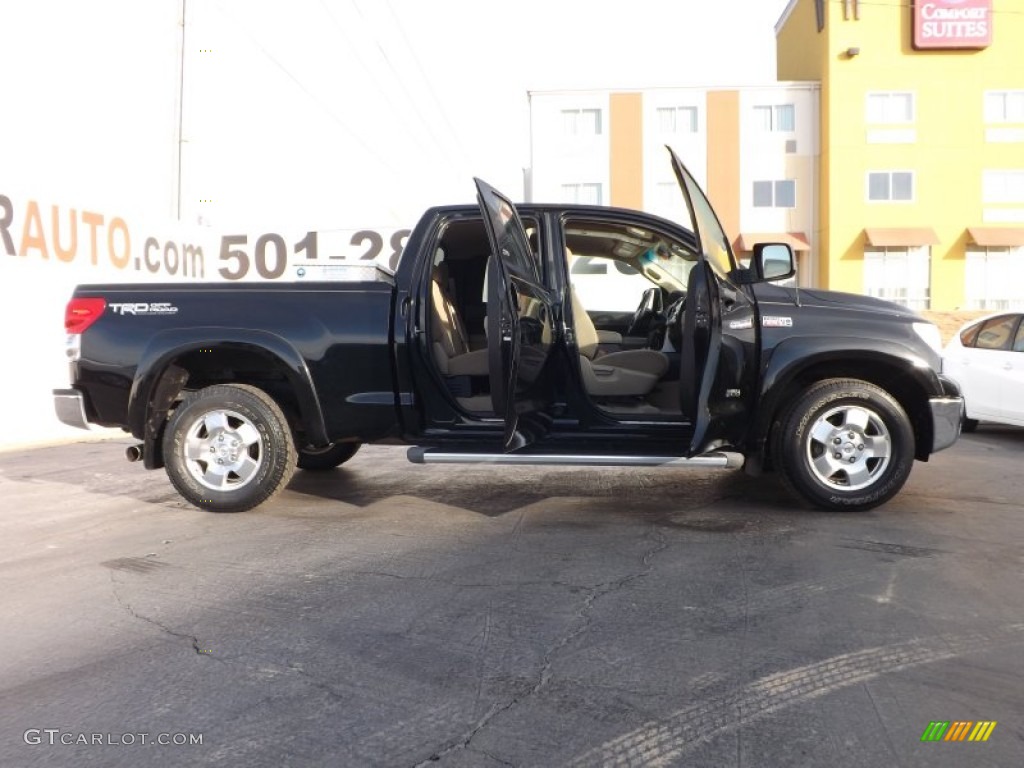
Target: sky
(413, 98)
(330, 112)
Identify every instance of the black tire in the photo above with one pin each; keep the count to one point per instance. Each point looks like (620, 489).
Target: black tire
(968, 425)
(327, 458)
(242, 429)
(880, 453)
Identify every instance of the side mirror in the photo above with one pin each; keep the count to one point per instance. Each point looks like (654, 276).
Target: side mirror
(773, 261)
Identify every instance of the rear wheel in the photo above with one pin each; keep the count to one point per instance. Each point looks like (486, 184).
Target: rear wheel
(845, 445)
(228, 448)
(318, 460)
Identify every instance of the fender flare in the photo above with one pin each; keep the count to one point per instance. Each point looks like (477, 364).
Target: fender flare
(793, 356)
(165, 347)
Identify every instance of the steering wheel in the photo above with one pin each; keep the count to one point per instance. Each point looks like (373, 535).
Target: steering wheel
(650, 308)
(674, 321)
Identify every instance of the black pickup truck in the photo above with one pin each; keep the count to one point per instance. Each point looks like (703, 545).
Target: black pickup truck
(481, 347)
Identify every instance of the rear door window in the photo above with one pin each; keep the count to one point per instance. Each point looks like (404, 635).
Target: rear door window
(970, 335)
(997, 333)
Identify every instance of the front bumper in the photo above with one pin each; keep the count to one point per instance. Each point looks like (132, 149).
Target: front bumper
(70, 407)
(947, 414)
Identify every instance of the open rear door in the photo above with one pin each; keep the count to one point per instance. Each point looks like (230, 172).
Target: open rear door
(519, 322)
(702, 331)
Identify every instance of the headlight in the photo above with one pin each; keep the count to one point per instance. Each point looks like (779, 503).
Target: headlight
(929, 333)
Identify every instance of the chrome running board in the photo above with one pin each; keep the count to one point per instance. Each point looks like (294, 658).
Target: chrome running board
(418, 455)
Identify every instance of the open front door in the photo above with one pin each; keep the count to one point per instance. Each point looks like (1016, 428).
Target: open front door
(702, 318)
(519, 322)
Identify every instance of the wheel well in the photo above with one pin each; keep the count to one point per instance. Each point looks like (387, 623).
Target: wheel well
(894, 379)
(206, 366)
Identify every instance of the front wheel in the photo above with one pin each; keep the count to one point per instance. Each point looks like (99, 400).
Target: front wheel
(228, 448)
(845, 445)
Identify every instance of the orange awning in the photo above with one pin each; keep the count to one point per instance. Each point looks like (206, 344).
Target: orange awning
(795, 240)
(996, 237)
(900, 237)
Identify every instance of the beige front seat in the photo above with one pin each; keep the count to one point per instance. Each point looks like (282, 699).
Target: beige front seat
(632, 372)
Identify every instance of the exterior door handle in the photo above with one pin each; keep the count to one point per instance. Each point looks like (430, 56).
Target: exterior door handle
(1007, 366)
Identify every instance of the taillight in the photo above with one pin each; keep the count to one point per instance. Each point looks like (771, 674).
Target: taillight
(81, 313)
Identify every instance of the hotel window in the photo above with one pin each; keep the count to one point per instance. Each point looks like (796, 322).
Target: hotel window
(1003, 186)
(1004, 107)
(994, 278)
(890, 107)
(901, 275)
(581, 122)
(677, 119)
(777, 118)
(890, 186)
(582, 194)
(666, 200)
(775, 194)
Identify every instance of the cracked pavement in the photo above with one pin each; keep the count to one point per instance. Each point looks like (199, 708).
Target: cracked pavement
(389, 614)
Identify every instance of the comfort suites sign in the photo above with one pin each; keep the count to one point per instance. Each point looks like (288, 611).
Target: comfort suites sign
(952, 24)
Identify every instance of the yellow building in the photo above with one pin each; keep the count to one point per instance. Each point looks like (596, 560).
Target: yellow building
(921, 193)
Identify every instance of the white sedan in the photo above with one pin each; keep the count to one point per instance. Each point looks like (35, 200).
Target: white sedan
(987, 358)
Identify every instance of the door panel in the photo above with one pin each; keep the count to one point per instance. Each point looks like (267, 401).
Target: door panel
(519, 322)
(719, 332)
(981, 381)
(988, 367)
(1013, 392)
(1008, 375)
(698, 349)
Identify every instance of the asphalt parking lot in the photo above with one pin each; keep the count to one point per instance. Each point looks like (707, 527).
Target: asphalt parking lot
(389, 614)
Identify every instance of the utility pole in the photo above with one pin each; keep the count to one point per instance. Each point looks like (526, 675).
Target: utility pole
(179, 144)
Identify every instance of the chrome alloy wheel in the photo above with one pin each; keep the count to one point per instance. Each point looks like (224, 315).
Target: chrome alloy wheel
(223, 450)
(848, 447)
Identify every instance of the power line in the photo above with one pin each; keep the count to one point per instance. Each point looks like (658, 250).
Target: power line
(319, 102)
(371, 72)
(426, 80)
(402, 85)
(181, 112)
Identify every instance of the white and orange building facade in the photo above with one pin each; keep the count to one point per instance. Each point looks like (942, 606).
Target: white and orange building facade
(754, 149)
(890, 154)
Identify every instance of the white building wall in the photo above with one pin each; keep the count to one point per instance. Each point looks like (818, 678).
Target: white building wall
(769, 155)
(764, 155)
(661, 190)
(559, 158)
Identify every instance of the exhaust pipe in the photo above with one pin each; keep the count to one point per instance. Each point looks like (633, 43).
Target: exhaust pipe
(133, 452)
